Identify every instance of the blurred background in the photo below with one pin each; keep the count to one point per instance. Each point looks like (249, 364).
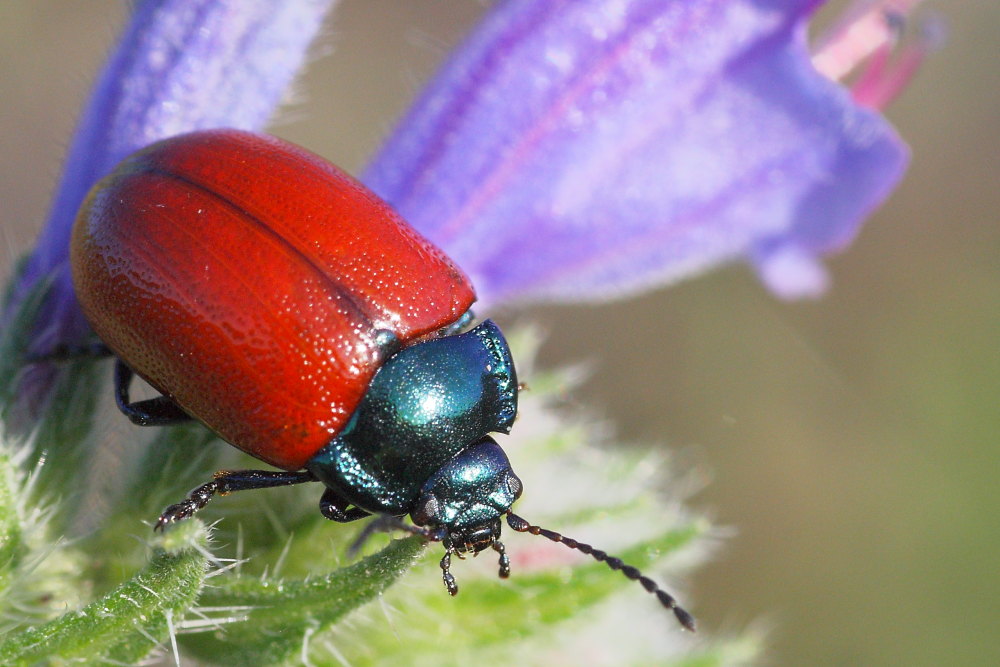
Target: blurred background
(850, 442)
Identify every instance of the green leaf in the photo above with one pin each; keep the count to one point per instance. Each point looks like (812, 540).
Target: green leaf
(12, 546)
(57, 436)
(128, 622)
(277, 617)
(494, 618)
(246, 617)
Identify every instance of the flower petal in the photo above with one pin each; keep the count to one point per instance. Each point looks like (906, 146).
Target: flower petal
(582, 150)
(181, 65)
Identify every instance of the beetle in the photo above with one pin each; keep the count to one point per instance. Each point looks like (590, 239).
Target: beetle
(272, 297)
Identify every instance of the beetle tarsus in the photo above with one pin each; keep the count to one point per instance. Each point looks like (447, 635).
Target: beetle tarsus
(226, 482)
(504, 559)
(447, 576)
(186, 508)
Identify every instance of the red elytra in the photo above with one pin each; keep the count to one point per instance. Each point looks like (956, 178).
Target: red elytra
(250, 277)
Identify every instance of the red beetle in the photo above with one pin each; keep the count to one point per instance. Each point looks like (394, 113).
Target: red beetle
(274, 298)
(230, 241)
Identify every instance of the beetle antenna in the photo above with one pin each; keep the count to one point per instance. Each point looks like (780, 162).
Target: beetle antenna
(633, 573)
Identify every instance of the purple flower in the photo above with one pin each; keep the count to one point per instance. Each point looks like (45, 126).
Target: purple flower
(181, 65)
(571, 150)
(583, 150)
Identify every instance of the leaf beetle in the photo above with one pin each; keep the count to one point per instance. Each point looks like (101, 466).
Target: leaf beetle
(267, 294)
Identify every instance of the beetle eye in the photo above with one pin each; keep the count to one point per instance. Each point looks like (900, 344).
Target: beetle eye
(426, 510)
(514, 485)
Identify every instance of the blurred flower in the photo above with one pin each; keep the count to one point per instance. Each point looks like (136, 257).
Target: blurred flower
(181, 65)
(868, 36)
(585, 150)
(572, 149)
(649, 141)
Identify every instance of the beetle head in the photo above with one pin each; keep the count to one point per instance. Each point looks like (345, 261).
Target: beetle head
(461, 506)
(467, 496)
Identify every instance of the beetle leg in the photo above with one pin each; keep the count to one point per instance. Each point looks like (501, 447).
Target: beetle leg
(446, 575)
(159, 411)
(67, 352)
(504, 559)
(226, 482)
(385, 523)
(334, 508)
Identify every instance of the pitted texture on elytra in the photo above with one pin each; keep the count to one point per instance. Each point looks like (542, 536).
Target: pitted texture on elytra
(248, 280)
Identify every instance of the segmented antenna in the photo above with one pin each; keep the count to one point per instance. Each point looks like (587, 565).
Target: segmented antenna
(633, 573)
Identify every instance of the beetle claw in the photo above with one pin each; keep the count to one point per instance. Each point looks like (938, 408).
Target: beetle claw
(174, 513)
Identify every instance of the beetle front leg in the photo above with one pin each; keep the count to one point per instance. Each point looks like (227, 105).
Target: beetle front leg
(504, 559)
(446, 575)
(334, 508)
(226, 482)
